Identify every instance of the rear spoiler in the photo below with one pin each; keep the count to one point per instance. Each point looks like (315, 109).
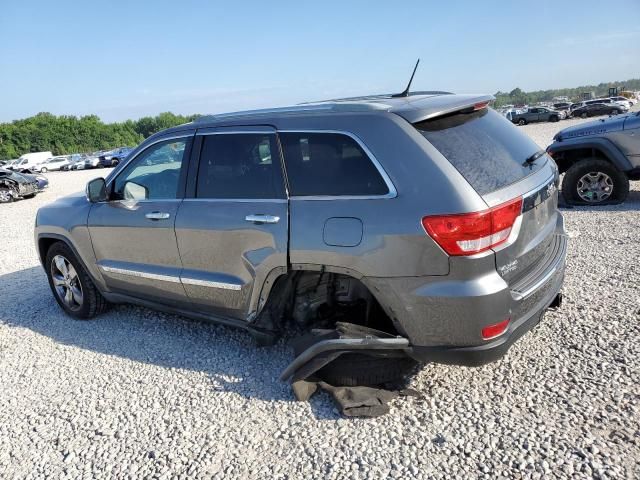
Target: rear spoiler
(425, 108)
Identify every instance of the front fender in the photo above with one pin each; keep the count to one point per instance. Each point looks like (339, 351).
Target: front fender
(608, 148)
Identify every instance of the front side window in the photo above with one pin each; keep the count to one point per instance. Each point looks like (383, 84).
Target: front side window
(240, 165)
(329, 164)
(152, 175)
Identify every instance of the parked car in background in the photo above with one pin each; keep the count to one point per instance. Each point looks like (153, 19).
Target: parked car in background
(14, 185)
(608, 101)
(114, 157)
(595, 109)
(598, 159)
(509, 113)
(90, 161)
(625, 102)
(562, 107)
(285, 219)
(73, 160)
(30, 162)
(537, 114)
(54, 164)
(9, 163)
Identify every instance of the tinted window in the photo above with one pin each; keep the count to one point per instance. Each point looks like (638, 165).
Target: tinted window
(322, 164)
(486, 149)
(152, 175)
(240, 166)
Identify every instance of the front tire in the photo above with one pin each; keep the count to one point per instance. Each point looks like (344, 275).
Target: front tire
(555, 118)
(5, 195)
(43, 170)
(522, 122)
(583, 115)
(594, 181)
(72, 287)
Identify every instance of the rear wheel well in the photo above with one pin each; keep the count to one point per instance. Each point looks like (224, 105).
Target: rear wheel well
(567, 158)
(306, 299)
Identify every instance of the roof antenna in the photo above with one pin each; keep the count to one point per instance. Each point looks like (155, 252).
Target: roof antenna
(405, 93)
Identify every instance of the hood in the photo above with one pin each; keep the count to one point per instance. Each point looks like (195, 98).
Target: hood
(74, 199)
(17, 177)
(597, 127)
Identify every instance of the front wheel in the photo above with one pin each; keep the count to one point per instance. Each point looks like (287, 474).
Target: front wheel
(594, 181)
(613, 112)
(583, 115)
(5, 195)
(522, 122)
(43, 170)
(555, 118)
(72, 287)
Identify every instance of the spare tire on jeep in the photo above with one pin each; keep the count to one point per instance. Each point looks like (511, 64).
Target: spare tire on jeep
(594, 181)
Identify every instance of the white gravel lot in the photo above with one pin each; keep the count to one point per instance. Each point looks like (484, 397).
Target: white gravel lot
(140, 394)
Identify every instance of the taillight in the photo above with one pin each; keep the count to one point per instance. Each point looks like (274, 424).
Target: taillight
(469, 233)
(495, 330)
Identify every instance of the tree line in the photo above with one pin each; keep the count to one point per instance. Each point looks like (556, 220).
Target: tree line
(519, 97)
(66, 134)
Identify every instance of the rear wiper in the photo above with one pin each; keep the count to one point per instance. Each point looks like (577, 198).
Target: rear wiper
(530, 160)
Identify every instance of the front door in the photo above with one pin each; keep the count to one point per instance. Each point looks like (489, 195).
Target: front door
(133, 232)
(232, 231)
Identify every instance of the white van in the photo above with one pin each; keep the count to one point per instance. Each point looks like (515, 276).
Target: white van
(32, 161)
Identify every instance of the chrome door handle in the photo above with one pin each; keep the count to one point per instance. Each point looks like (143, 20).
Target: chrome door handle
(157, 215)
(262, 218)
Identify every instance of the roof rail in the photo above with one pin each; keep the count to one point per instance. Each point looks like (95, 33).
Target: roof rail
(307, 107)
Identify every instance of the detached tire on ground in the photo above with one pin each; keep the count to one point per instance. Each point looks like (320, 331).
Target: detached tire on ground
(72, 287)
(354, 369)
(610, 185)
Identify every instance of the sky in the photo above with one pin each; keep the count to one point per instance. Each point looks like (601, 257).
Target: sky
(127, 59)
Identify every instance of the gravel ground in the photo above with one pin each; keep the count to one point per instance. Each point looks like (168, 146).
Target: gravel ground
(140, 394)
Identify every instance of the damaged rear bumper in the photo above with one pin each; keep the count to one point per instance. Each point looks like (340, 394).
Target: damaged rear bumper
(475, 356)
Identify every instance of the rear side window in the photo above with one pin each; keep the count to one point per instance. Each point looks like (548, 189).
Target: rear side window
(483, 146)
(322, 164)
(240, 165)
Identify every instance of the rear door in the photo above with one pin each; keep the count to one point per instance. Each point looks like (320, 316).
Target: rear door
(498, 170)
(232, 230)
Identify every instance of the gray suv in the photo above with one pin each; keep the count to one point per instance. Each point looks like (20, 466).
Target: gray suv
(429, 218)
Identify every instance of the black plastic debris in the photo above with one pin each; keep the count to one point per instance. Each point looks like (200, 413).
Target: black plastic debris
(353, 401)
(320, 348)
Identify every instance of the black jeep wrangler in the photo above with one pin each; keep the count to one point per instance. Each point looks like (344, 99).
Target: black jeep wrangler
(598, 159)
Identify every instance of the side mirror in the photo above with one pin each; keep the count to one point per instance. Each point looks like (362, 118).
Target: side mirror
(96, 190)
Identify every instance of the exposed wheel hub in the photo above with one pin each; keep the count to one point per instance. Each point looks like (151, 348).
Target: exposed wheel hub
(595, 187)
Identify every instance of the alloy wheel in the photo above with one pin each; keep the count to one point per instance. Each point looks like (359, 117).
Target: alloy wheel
(595, 187)
(66, 282)
(5, 195)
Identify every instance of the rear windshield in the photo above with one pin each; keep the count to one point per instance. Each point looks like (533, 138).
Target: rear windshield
(484, 147)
